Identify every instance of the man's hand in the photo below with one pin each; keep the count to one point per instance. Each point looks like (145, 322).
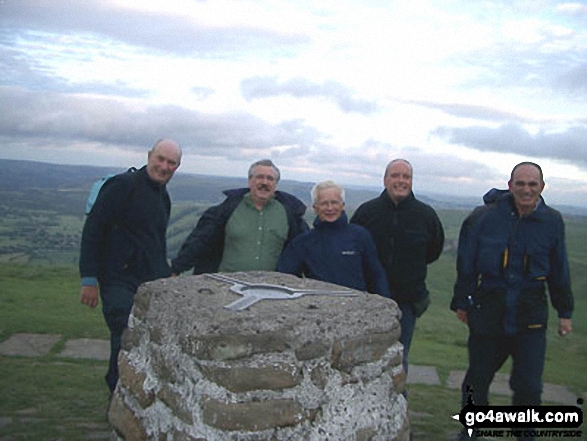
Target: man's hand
(463, 316)
(564, 326)
(90, 296)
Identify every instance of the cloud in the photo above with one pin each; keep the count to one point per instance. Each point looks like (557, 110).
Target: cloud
(264, 87)
(576, 9)
(573, 80)
(569, 145)
(169, 30)
(474, 111)
(314, 86)
(527, 49)
(68, 118)
(21, 70)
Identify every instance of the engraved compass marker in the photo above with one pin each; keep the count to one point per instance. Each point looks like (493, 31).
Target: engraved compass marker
(254, 292)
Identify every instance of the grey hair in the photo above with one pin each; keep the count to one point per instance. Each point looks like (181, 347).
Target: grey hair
(265, 163)
(405, 161)
(159, 141)
(325, 185)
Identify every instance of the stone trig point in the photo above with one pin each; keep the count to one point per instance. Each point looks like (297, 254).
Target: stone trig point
(313, 367)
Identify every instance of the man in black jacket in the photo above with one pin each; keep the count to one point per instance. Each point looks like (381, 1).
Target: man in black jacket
(123, 241)
(247, 231)
(408, 236)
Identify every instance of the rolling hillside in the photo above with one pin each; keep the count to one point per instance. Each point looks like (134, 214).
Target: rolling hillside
(42, 207)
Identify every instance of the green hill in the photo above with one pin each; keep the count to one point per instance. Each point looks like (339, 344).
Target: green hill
(41, 217)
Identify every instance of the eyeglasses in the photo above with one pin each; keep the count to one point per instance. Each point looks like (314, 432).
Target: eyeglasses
(334, 203)
(260, 177)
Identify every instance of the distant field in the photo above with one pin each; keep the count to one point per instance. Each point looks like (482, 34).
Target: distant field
(40, 228)
(43, 297)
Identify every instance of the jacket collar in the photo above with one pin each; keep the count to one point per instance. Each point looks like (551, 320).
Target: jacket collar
(341, 222)
(505, 200)
(384, 196)
(144, 174)
(297, 206)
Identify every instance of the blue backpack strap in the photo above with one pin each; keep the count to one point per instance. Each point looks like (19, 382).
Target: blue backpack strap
(97, 186)
(95, 190)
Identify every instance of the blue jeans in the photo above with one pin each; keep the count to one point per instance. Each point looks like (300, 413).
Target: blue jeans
(117, 303)
(408, 324)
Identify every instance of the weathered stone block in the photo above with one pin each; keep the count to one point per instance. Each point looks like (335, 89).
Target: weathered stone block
(232, 347)
(157, 335)
(310, 351)
(253, 416)
(348, 353)
(131, 338)
(173, 399)
(314, 367)
(399, 381)
(365, 434)
(177, 435)
(166, 370)
(125, 421)
(319, 377)
(239, 379)
(142, 304)
(133, 381)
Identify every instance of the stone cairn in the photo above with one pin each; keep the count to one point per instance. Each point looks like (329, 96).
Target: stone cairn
(317, 367)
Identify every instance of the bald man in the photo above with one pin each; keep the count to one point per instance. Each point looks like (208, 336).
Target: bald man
(510, 250)
(409, 236)
(123, 241)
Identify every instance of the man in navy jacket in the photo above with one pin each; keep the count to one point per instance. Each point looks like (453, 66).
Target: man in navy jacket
(123, 241)
(509, 250)
(335, 251)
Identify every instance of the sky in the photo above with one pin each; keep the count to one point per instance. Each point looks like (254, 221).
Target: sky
(326, 89)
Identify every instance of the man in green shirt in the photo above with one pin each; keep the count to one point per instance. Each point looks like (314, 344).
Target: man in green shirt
(247, 231)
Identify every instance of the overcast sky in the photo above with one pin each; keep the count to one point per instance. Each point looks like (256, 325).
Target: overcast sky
(327, 89)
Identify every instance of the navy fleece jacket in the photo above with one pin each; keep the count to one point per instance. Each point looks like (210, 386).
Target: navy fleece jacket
(336, 252)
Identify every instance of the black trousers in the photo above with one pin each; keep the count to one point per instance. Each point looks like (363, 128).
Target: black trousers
(488, 354)
(117, 303)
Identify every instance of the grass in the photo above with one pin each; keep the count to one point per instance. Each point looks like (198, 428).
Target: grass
(52, 398)
(49, 397)
(440, 339)
(45, 299)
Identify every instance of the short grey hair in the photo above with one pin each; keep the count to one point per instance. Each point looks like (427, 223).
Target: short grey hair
(162, 140)
(325, 185)
(265, 163)
(405, 161)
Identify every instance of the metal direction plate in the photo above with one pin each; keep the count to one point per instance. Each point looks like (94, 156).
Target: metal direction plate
(253, 292)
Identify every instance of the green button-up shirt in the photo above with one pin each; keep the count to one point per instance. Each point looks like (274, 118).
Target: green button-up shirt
(254, 239)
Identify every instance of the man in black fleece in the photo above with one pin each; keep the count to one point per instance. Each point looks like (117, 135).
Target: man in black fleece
(123, 241)
(408, 236)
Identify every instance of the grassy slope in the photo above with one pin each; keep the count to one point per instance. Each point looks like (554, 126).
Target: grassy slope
(49, 398)
(52, 398)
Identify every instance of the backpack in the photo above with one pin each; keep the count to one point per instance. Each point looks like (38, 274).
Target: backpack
(97, 186)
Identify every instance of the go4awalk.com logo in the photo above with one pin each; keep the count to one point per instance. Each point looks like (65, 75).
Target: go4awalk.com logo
(518, 421)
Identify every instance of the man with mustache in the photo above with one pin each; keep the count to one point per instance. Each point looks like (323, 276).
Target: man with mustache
(123, 241)
(408, 236)
(247, 231)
